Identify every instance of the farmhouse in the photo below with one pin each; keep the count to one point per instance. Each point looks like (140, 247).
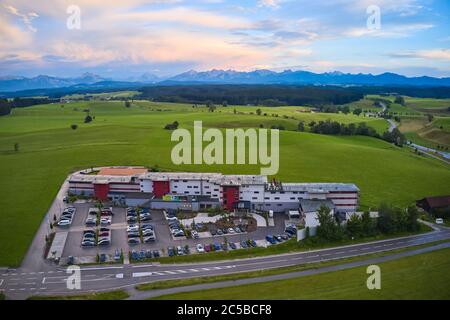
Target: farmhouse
(197, 191)
(434, 203)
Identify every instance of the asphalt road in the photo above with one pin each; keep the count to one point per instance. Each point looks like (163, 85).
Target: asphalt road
(51, 280)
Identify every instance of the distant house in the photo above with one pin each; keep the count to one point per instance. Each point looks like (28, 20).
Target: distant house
(434, 203)
(310, 208)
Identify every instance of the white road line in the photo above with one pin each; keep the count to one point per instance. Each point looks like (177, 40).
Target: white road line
(159, 273)
(181, 271)
(193, 270)
(1, 282)
(205, 269)
(141, 274)
(30, 283)
(43, 280)
(170, 272)
(43, 288)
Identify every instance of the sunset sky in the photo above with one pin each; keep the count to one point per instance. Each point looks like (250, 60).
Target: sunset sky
(125, 38)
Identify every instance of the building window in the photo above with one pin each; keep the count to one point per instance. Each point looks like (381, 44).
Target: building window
(292, 198)
(254, 198)
(277, 198)
(279, 204)
(266, 198)
(256, 192)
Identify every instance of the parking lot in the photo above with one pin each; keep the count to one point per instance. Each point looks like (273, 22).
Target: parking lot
(162, 232)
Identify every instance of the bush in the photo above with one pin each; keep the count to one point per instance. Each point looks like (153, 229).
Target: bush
(74, 126)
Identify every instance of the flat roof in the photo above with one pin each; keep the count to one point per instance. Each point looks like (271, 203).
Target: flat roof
(314, 205)
(320, 187)
(122, 171)
(78, 177)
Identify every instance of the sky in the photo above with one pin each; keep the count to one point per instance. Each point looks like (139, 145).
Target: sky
(122, 39)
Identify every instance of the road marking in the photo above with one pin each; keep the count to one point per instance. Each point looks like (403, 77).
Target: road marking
(159, 273)
(119, 276)
(30, 283)
(170, 272)
(43, 288)
(141, 274)
(32, 288)
(1, 282)
(193, 270)
(181, 271)
(43, 280)
(206, 269)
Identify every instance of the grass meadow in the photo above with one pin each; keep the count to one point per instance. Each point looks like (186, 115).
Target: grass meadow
(49, 150)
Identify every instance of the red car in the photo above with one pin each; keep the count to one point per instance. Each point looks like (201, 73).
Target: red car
(207, 248)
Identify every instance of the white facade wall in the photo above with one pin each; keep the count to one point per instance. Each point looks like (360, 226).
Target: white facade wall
(186, 187)
(146, 185)
(252, 193)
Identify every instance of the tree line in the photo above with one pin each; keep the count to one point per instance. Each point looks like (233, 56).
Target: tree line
(390, 220)
(268, 95)
(6, 105)
(361, 129)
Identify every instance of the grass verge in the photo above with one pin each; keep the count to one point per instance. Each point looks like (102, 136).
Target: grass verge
(267, 272)
(110, 295)
(421, 276)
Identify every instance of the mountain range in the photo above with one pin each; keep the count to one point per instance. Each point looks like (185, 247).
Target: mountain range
(87, 80)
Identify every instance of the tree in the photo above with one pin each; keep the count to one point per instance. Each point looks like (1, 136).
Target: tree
(355, 226)
(225, 103)
(74, 126)
(400, 100)
(369, 225)
(301, 126)
(16, 147)
(127, 104)
(328, 229)
(357, 111)
(87, 119)
(430, 117)
(413, 215)
(258, 112)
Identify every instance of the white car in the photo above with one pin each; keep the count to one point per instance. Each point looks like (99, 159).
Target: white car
(231, 230)
(200, 248)
(105, 221)
(64, 222)
(133, 228)
(439, 221)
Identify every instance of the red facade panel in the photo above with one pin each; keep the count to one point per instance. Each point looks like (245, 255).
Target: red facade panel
(161, 188)
(230, 196)
(101, 191)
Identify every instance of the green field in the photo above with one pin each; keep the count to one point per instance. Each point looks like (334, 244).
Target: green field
(49, 149)
(417, 277)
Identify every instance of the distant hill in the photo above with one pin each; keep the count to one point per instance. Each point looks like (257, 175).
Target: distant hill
(13, 83)
(306, 77)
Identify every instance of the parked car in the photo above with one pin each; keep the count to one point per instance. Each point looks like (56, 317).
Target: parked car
(133, 234)
(231, 230)
(103, 229)
(186, 250)
(148, 254)
(133, 240)
(170, 251)
(70, 260)
(244, 244)
(180, 251)
(147, 226)
(156, 253)
(142, 254)
(224, 246)
(219, 232)
(87, 243)
(216, 246)
(91, 221)
(133, 228)
(134, 255)
(117, 255)
(200, 248)
(148, 232)
(253, 243)
(102, 258)
(207, 248)
(237, 229)
(232, 245)
(439, 221)
(213, 232)
(270, 239)
(149, 239)
(194, 234)
(105, 221)
(104, 242)
(225, 231)
(285, 236)
(278, 238)
(65, 222)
